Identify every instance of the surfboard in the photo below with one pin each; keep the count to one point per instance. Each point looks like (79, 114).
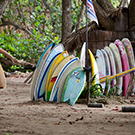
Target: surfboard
(36, 72)
(125, 64)
(129, 50)
(55, 51)
(72, 64)
(74, 86)
(83, 55)
(71, 67)
(94, 68)
(112, 63)
(42, 86)
(101, 65)
(56, 73)
(118, 65)
(2, 78)
(107, 63)
(108, 70)
(56, 62)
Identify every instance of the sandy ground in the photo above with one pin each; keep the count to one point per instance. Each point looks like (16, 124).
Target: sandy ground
(20, 116)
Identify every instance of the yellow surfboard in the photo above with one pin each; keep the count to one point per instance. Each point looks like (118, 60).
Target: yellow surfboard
(2, 78)
(56, 62)
(94, 68)
(55, 74)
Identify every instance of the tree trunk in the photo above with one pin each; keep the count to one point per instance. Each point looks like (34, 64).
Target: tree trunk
(3, 5)
(80, 17)
(107, 6)
(132, 14)
(103, 18)
(66, 19)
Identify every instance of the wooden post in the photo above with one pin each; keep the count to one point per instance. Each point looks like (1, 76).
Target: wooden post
(87, 61)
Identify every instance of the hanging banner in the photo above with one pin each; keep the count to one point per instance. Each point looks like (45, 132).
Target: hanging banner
(91, 12)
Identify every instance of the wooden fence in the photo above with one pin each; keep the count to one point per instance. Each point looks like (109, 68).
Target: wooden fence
(98, 39)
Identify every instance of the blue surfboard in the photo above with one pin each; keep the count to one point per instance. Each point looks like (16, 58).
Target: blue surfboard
(75, 84)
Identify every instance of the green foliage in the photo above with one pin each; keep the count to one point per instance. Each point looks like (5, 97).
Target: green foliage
(115, 2)
(44, 25)
(95, 90)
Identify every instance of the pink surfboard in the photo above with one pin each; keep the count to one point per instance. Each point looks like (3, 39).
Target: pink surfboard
(125, 64)
(129, 50)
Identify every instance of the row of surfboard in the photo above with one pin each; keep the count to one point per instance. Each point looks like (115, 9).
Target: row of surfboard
(115, 59)
(58, 76)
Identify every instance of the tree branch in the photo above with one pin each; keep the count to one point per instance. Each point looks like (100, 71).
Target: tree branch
(5, 23)
(77, 24)
(107, 6)
(47, 6)
(103, 17)
(14, 61)
(123, 3)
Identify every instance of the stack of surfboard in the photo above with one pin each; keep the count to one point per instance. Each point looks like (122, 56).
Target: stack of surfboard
(116, 60)
(58, 76)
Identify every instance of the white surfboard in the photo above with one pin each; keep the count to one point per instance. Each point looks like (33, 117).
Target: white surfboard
(118, 65)
(83, 55)
(101, 65)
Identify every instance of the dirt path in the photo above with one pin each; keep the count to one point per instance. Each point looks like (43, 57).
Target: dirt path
(20, 116)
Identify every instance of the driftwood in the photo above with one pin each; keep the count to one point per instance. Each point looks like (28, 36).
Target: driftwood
(13, 61)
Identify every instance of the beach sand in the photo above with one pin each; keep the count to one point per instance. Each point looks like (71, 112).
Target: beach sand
(20, 116)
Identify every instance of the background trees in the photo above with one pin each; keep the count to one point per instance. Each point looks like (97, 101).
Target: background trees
(28, 26)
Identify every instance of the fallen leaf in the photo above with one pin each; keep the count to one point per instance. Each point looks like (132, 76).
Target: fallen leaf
(79, 118)
(98, 132)
(68, 115)
(102, 128)
(57, 123)
(46, 122)
(111, 118)
(114, 109)
(70, 122)
(121, 125)
(62, 119)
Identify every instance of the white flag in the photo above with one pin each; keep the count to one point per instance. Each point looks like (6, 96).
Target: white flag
(91, 12)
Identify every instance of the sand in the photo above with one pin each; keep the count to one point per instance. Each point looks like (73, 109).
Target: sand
(20, 116)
